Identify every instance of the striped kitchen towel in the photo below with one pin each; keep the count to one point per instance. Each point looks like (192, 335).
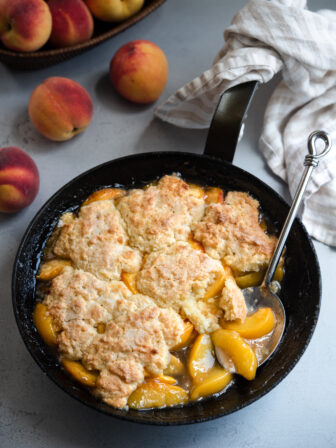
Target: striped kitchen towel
(264, 38)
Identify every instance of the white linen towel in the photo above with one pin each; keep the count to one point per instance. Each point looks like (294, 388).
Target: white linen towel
(264, 38)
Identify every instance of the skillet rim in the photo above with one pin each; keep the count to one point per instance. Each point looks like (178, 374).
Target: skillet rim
(156, 154)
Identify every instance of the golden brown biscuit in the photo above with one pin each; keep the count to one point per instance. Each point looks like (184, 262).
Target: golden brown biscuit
(232, 301)
(178, 277)
(160, 215)
(138, 334)
(115, 332)
(96, 242)
(231, 232)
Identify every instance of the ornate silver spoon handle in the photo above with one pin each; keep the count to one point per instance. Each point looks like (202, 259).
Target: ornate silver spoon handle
(311, 161)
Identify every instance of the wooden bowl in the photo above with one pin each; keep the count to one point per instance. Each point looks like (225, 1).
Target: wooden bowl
(46, 57)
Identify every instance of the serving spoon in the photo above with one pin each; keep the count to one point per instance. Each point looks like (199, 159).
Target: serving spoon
(265, 294)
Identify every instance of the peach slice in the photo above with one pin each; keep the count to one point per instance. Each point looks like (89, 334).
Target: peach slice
(195, 245)
(153, 394)
(44, 325)
(216, 287)
(214, 195)
(175, 367)
(167, 379)
(187, 337)
(201, 358)
(80, 373)
(196, 190)
(104, 194)
(255, 278)
(238, 350)
(129, 278)
(263, 225)
(255, 326)
(52, 269)
(279, 273)
(250, 279)
(215, 381)
(101, 327)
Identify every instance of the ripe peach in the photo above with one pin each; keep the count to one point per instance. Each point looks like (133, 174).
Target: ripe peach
(72, 22)
(25, 25)
(60, 108)
(139, 71)
(19, 179)
(114, 10)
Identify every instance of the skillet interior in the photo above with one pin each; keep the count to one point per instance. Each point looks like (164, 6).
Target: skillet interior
(300, 292)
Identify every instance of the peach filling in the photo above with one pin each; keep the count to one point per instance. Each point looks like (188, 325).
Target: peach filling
(157, 394)
(44, 324)
(52, 269)
(104, 194)
(238, 350)
(255, 326)
(187, 337)
(80, 373)
(129, 278)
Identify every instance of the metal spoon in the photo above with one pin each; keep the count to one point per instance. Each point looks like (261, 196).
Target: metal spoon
(265, 294)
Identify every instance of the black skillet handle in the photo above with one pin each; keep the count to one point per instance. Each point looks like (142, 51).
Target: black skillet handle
(226, 123)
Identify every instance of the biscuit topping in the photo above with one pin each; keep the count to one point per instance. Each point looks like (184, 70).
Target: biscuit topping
(231, 232)
(96, 242)
(138, 334)
(160, 215)
(139, 274)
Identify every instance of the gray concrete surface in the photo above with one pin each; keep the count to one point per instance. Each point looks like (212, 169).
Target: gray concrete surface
(34, 413)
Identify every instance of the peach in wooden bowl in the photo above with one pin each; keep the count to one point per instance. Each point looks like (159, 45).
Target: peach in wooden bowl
(48, 55)
(25, 25)
(72, 23)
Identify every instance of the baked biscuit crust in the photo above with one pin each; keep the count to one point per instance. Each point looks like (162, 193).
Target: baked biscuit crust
(138, 334)
(178, 277)
(231, 232)
(160, 215)
(232, 301)
(96, 241)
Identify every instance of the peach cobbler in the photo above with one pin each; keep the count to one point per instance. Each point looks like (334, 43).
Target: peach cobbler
(139, 290)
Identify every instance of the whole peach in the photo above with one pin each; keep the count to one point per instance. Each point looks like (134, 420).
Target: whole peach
(139, 71)
(60, 108)
(114, 10)
(19, 179)
(25, 25)
(72, 22)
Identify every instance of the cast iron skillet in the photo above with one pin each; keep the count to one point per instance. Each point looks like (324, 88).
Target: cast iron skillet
(301, 287)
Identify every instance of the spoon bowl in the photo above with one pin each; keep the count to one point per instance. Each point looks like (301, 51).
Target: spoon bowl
(265, 297)
(260, 297)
